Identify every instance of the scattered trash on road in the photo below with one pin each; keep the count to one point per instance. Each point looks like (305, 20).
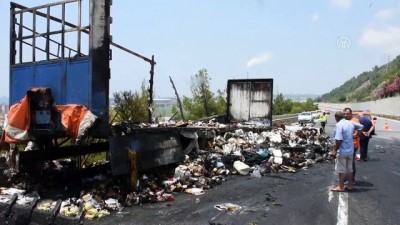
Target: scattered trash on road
(237, 152)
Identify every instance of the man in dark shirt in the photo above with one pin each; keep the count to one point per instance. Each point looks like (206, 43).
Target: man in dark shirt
(364, 137)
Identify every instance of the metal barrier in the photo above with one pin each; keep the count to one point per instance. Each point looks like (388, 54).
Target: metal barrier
(284, 119)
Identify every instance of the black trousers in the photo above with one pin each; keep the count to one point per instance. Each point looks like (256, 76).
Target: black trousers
(323, 126)
(364, 148)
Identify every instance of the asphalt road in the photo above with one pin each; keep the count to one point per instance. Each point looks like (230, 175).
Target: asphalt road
(300, 198)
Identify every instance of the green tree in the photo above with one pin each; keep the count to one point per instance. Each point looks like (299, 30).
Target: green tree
(297, 107)
(112, 115)
(285, 106)
(132, 106)
(281, 105)
(175, 112)
(220, 101)
(342, 98)
(204, 102)
(309, 105)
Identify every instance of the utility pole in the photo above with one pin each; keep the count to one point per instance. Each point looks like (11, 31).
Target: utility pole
(152, 63)
(387, 65)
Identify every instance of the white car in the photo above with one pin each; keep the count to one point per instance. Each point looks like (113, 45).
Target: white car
(315, 114)
(305, 117)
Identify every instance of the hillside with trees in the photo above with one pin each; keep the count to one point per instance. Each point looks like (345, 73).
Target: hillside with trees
(380, 82)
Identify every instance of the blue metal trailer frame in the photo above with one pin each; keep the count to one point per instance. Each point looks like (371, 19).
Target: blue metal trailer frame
(74, 76)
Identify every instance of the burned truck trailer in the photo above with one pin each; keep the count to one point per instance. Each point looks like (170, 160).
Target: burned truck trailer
(54, 60)
(250, 100)
(249, 103)
(59, 59)
(49, 51)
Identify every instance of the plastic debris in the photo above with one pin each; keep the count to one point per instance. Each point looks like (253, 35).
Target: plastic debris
(11, 191)
(228, 207)
(113, 204)
(46, 205)
(241, 167)
(195, 191)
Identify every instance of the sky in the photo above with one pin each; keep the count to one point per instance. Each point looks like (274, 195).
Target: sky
(306, 46)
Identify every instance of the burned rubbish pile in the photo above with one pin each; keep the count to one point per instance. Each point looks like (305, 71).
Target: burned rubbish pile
(236, 152)
(270, 151)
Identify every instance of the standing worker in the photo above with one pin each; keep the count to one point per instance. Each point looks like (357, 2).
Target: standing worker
(365, 136)
(348, 115)
(323, 120)
(343, 150)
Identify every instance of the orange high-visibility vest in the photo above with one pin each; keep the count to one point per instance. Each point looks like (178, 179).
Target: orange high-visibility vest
(356, 137)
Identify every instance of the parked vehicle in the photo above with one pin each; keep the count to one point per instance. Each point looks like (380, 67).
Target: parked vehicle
(305, 117)
(315, 114)
(365, 113)
(360, 113)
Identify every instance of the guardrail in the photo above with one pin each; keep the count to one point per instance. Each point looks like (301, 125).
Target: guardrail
(278, 120)
(386, 116)
(284, 116)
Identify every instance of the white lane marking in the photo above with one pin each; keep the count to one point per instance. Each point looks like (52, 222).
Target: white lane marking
(398, 174)
(215, 217)
(330, 194)
(343, 209)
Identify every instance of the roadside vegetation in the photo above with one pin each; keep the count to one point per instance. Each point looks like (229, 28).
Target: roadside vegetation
(131, 106)
(283, 106)
(203, 102)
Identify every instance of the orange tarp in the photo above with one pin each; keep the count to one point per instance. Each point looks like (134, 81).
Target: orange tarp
(16, 129)
(76, 119)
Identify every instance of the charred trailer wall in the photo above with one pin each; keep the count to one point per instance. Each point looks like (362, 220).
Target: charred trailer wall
(153, 147)
(250, 99)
